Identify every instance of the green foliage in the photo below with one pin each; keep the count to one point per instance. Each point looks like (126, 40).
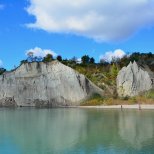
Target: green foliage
(114, 70)
(125, 98)
(92, 60)
(2, 70)
(149, 94)
(59, 58)
(23, 61)
(133, 100)
(48, 58)
(141, 58)
(113, 73)
(85, 59)
(95, 99)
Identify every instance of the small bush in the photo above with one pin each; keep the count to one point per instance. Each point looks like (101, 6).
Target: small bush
(150, 94)
(2, 70)
(94, 100)
(125, 98)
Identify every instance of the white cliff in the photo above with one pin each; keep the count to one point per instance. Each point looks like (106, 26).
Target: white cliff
(133, 79)
(44, 85)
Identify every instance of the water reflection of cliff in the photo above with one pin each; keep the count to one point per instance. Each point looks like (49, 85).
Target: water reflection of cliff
(76, 130)
(43, 130)
(115, 131)
(136, 127)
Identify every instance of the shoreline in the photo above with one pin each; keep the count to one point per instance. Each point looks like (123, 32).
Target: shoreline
(122, 107)
(136, 106)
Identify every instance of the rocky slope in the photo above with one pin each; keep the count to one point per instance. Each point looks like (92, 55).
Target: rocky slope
(134, 79)
(45, 85)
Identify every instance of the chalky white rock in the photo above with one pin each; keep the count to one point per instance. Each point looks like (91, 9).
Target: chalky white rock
(45, 85)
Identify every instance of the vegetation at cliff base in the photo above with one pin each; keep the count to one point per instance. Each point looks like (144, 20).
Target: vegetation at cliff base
(144, 98)
(95, 99)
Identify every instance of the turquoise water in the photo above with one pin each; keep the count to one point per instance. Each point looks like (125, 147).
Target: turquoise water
(73, 131)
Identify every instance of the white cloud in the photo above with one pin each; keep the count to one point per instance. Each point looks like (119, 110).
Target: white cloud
(38, 52)
(1, 63)
(108, 56)
(79, 60)
(102, 20)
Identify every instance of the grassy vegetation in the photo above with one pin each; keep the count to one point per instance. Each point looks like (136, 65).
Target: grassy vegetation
(108, 101)
(96, 99)
(104, 76)
(149, 94)
(146, 98)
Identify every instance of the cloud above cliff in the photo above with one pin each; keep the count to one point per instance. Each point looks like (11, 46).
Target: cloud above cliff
(101, 20)
(1, 63)
(108, 56)
(38, 52)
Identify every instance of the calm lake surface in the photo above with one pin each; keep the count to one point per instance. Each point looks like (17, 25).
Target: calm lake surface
(73, 131)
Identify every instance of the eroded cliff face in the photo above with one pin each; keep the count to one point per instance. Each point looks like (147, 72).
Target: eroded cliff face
(133, 79)
(44, 85)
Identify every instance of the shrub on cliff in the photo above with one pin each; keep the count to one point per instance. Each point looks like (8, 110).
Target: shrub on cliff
(2, 70)
(59, 58)
(48, 58)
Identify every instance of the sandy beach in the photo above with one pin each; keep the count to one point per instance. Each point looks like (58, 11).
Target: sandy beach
(136, 106)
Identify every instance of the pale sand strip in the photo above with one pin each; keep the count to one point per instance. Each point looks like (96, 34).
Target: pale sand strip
(136, 106)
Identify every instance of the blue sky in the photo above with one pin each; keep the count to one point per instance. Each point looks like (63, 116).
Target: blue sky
(74, 28)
